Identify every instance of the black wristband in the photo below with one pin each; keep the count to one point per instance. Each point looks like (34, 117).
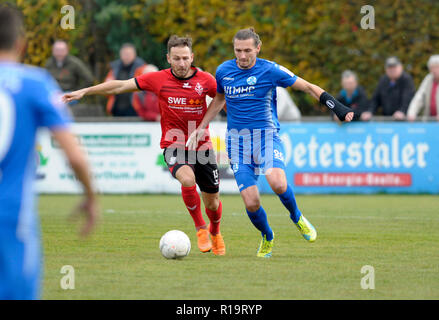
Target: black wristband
(333, 104)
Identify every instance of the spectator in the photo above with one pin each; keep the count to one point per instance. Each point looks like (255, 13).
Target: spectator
(286, 108)
(352, 94)
(70, 72)
(394, 92)
(427, 96)
(146, 103)
(124, 68)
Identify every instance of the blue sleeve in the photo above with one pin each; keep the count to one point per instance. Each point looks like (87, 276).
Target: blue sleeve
(219, 82)
(51, 111)
(282, 77)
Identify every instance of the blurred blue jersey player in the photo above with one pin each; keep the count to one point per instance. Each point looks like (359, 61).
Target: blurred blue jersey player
(247, 85)
(29, 99)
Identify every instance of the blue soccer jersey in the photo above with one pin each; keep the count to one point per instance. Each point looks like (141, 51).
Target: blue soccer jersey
(251, 93)
(253, 144)
(29, 99)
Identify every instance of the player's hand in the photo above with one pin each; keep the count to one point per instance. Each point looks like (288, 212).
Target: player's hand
(74, 95)
(90, 209)
(195, 137)
(349, 117)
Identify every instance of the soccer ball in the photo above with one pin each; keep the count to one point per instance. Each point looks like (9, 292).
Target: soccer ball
(175, 244)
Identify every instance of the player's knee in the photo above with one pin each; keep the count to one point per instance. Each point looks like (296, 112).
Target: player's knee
(253, 205)
(279, 187)
(212, 204)
(187, 181)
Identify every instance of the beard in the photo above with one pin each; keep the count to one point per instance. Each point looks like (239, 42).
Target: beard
(181, 73)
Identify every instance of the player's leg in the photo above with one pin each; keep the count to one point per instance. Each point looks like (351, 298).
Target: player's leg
(246, 180)
(191, 199)
(277, 180)
(214, 209)
(207, 178)
(19, 266)
(184, 173)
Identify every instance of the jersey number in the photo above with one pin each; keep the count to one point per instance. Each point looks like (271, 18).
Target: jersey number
(7, 122)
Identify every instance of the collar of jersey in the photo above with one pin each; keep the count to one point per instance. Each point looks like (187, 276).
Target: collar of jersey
(245, 70)
(185, 79)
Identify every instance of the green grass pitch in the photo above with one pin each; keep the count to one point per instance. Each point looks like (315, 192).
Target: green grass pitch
(397, 235)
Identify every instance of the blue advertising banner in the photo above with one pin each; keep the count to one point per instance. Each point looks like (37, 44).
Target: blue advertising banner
(360, 157)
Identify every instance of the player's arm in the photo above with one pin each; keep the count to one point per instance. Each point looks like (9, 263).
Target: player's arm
(343, 113)
(107, 88)
(214, 107)
(77, 160)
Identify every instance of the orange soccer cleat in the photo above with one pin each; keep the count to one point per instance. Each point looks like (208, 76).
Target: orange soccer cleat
(218, 246)
(204, 243)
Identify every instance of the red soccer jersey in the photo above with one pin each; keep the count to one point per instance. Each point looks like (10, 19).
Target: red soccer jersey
(182, 104)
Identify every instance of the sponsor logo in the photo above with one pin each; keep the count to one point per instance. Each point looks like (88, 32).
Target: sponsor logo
(251, 80)
(353, 179)
(238, 90)
(187, 85)
(192, 208)
(228, 79)
(330, 104)
(192, 101)
(178, 101)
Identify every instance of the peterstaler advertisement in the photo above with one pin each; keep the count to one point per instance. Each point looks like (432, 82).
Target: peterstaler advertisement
(319, 158)
(361, 157)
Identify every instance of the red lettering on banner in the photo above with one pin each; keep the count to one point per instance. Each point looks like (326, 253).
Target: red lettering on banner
(313, 179)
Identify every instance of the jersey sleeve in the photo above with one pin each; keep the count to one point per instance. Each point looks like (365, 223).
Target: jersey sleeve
(212, 86)
(219, 82)
(148, 81)
(282, 77)
(51, 111)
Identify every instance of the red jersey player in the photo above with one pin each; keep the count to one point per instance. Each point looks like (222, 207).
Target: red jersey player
(182, 91)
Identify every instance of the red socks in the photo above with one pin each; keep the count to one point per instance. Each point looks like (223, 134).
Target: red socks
(191, 199)
(215, 219)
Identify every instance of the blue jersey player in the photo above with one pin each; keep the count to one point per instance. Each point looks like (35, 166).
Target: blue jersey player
(247, 85)
(29, 99)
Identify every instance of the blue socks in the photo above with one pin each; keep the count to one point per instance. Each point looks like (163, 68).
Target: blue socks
(287, 198)
(259, 220)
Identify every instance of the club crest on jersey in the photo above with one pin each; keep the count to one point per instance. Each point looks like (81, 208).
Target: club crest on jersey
(251, 80)
(199, 89)
(187, 85)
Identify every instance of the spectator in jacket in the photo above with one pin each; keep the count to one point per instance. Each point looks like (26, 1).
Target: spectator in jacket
(146, 103)
(427, 96)
(70, 72)
(123, 69)
(394, 92)
(352, 94)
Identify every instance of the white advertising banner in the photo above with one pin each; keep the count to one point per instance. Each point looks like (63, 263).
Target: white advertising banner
(125, 158)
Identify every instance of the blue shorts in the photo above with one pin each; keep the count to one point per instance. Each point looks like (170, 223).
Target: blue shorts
(251, 155)
(19, 265)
